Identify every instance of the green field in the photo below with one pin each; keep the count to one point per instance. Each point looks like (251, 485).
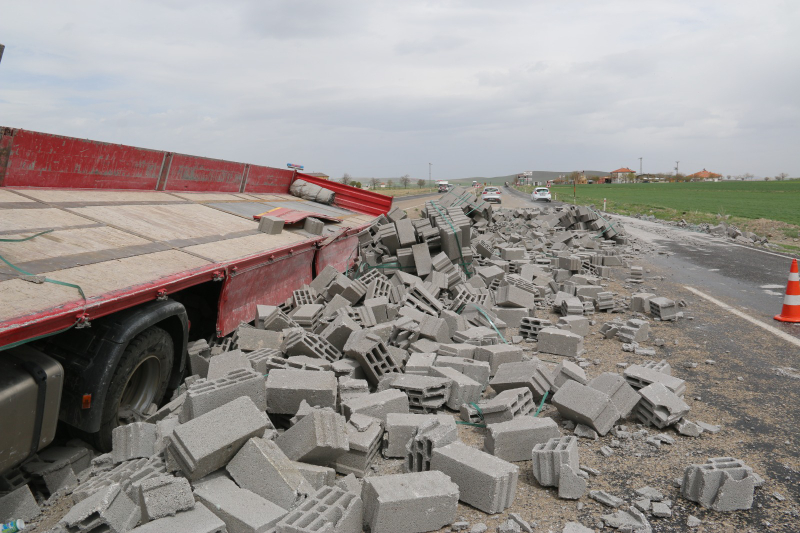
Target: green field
(695, 202)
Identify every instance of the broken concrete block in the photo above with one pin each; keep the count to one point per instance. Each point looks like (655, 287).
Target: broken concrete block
(622, 395)
(506, 406)
(484, 481)
(270, 317)
(722, 483)
(659, 406)
(240, 509)
(566, 371)
(550, 457)
(639, 376)
(164, 496)
(400, 428)
(220, 365)
(19, 504)
(514, 440)
(209, 441)
(330, 509)
(532, 374)
(560, 342)
(377, 405)
(371, 353)
(203, 396)
(605, 498)
(475, 370)
(498, 354)
(512, 316)
(579, 325)
(317, 476)
(364, 435)
(640, 302)
(252, 339)
(197, 520)
(132, 441)
(571, 485)
(319, 438)
(287, 388)
(409, 503)
(430, 435)
(426, 394)
(262, 468)
(586, 405)
(108, 509)
(462, 389)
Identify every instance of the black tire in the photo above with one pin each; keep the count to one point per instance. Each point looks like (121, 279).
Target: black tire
(139, 380)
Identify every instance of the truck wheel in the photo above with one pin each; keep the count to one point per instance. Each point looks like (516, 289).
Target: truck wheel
(140, 380)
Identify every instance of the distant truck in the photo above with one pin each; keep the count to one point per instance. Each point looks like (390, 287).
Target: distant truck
(117, 257)
(444, 186)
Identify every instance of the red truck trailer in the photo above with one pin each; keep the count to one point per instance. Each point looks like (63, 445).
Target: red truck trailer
(114, 257)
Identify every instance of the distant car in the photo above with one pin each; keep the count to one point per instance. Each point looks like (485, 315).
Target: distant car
(541, 193)
(491, 194)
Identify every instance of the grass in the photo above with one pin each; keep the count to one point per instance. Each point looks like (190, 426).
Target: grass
(401, 191)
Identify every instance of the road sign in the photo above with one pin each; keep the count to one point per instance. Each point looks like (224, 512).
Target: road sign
(294, 166)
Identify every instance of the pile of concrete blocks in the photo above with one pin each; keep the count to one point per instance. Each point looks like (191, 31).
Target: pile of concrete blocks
(722, 484)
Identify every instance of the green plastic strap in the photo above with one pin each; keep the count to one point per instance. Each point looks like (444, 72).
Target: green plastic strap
(541, 404)
(473, 424)
(27, 238)
(487, 317)
(26, 273)
(458, 241)
(480, 411)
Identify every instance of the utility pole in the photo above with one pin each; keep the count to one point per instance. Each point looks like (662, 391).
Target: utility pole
(2, 47)
(430, 182)
(640, 166)
(676, 168)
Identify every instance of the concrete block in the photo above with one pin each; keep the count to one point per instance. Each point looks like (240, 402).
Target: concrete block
(109, 509)
(426, 394)
(462, 389)
(484, 481)
(663, 308)
(586, 405)
(435, 329)
(318, 438)
(422, 259)
(285, 390)
(659, 406)
(550, 458)
(722, 483)
(559, 342)
(262, 468)
(565, 371)
(512, 316)
(203, 396)
(579, 325)
(622, 395)
(467, 351)
(506, 406)
(533, 375)
(270, 317)
(377, 405)
(475, 370)
(477, 336)
(429, 435)
(19, 504)
(640, 302)
(209, 441)
(314, 226)
(514, 440)
(329, 510)
(317, 476)
(529, 327)
(639, 377)
(164, 496)
(409, 503)
(454, 321)
(270, 225)
(513, 296)
(197, 520)
(241, 510)
(371, 353)
(220, 365)
(298, 342)
(364, 435)
(401, 428)
(498, 354)
(252, 339)
(132, 441)
(420, 363)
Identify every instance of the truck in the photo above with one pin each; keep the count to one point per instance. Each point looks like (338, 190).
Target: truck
(443, 186)
(115, 258)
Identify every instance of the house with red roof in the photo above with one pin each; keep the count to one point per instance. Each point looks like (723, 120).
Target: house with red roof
(704, 175)
(623, 174)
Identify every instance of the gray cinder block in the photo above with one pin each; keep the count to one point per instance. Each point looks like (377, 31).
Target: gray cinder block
(560, 342)
(208, 442)
(722, 483)
(203, 396)
(622, 395)
(242, 510)
(271, 318)
(640, 302)
(551, 456)
(586, 405)
(317, 476)
(659, 406)
(409, 503)
(262, 468)
(371, 353)
(426, 394)
(514, 440)
(463, 389)
(377, 405)
(420, 363)
(565, 371)
(285, 390)
(319, 438)
(498, 354)
(314, 226)
(533, 374)
(338, 331)
(639, 376)
(475, 370)
(429, 435)
(512, 316)
(108, 509)
(19, 504)
(164, 496)
(270, 225)
(364, 437)
(220, 365)
(252, 339)
(330, 509)
(300, 342)
(132, 441)
(578, 325)
(197, 520)
(400, 428)
(506, 406)
(484, 481)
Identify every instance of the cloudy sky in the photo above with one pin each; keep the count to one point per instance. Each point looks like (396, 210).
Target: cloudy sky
(477, 88)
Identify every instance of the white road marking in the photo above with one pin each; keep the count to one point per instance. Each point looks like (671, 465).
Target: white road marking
(713, 270)
(773, 292)
(775, 331)
(773, 286)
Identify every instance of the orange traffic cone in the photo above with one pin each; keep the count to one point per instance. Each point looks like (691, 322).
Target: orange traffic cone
(791, 302)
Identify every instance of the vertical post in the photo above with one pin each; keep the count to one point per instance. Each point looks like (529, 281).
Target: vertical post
(574, 191)
(430, 182)
(604, 204)
(640, 166)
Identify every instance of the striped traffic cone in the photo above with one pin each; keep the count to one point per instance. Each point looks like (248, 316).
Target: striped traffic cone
(791, 302)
